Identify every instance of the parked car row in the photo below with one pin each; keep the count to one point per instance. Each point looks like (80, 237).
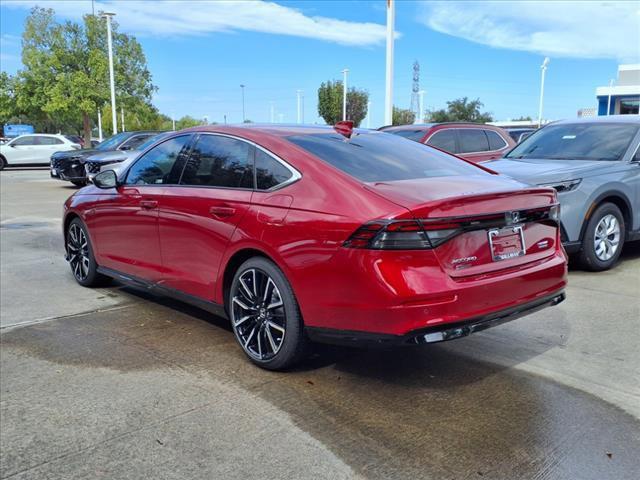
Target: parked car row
(35, 149)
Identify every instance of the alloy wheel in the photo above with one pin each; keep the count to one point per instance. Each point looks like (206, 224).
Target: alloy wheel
(78, 252)
(258, 315)
(606, 239)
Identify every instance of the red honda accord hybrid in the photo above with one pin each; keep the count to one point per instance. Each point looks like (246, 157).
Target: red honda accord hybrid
(301, 234)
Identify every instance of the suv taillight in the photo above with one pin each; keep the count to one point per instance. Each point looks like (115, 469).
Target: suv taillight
(399, 235)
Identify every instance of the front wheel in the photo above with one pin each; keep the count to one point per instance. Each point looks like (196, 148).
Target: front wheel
(3, 162)
(603, 238)
(80, 256)
(265, 315)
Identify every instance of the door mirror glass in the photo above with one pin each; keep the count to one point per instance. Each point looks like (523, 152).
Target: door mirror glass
(106, 179)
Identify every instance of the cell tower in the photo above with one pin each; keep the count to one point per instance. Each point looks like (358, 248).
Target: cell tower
(415, 89)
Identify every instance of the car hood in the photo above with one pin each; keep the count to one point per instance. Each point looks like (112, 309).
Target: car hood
(536, 171)
(113, 156)
(74, 154)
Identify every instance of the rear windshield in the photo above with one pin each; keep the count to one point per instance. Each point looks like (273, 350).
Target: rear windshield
(578, 141)
(415, 135)
(380, 157)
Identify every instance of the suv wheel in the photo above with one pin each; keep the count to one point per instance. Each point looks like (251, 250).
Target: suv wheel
(603, 238)
(3, 162)
(265, 316)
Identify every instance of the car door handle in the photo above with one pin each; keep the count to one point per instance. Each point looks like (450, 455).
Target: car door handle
(222, 211)
(148, 204)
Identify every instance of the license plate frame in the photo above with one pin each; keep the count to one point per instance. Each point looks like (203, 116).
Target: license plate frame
(500, 238)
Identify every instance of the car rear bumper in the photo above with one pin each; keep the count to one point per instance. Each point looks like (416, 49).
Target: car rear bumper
(435, 334)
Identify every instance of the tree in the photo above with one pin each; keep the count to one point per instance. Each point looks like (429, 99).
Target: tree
(7, 98)
(402, 116)
(187, 122)
(66, 79)
(523, 119)
(461, 110)
(330, 103)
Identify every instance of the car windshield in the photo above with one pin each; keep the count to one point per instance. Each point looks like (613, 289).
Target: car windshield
(412, 134)
(578, 141)
(380, 157)
(112, 143)
(149, 141)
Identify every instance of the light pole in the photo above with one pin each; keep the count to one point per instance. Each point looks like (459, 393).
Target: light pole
(114, 115)
(344, 93)
(281, 117)
(302, 107)
(388, 90)
(272, 112)
(122, 118)
(99, 125)
(173, 121)
(421, 119)
(242, 88)
(298, 92)
(368, 114)
(609, 101)
(543, 67)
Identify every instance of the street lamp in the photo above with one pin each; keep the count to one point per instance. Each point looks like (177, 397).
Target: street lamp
(421, 103)
(242, 87)
(543, 67)
(609, 101)
(344, 94)
(114, 115)
(368, 114)
(272, 112)
(298, 92)
(388, 89)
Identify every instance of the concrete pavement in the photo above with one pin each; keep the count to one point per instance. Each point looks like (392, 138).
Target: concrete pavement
(113, 383)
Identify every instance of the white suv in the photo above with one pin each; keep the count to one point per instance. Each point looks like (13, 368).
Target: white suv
(33, 149)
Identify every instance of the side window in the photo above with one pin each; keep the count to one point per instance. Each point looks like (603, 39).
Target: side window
(496, 142)
(134, 142)
(218, 161)
(269, 172)
(48, 141)
(159, 165)
(444, 140)
(24, 141)
(473, 140)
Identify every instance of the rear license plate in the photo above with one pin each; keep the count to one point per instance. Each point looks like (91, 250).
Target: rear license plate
(54, 172)
(506, 243)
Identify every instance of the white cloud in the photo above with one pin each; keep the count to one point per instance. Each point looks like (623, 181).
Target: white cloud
(586, 29)
(178, 18)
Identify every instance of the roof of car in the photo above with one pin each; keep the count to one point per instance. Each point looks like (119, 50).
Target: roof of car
(426, 126)
(602, 119)
(281, 130)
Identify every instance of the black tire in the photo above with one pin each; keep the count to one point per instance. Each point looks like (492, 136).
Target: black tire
(591, 257)
(251, 288)
(80, 256)
(79, 183)
(3, 162)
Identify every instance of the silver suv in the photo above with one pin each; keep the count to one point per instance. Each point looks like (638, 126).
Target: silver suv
(594, 164)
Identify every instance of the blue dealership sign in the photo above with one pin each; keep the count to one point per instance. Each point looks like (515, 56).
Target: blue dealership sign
(17, 130)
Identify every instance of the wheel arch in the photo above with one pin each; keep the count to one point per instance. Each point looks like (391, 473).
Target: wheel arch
(619, 199)
(67, 221)
(233, 263)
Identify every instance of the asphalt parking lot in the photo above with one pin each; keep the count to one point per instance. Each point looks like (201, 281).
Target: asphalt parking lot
(113, 383)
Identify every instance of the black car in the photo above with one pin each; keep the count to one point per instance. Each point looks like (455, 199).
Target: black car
(70, 166)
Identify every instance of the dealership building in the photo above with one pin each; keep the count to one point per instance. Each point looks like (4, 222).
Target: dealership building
(621, 97)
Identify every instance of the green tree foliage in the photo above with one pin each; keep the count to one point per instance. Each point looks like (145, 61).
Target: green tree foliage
(462, 110)
(187, 122)
(8, 109)
(330, 103)
(402, 116)
(523, 119)
(66, 76)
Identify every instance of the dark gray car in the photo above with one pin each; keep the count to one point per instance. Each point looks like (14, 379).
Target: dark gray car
(594, 164)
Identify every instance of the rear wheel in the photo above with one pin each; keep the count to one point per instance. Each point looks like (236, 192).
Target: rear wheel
(3, 162)
(80, 256)
(603, 238)
(265, 315)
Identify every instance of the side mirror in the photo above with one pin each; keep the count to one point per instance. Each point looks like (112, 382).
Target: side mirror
(106, 179)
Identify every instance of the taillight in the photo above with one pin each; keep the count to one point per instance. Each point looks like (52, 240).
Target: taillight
(396, 235)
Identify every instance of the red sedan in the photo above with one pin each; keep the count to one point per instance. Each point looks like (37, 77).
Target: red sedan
(301, 234)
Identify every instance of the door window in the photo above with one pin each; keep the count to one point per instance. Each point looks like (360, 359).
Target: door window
(160, 165)
(496, 142)
(269, 171)
(218, 161)
(134, 142)
(48, 141)
(27, 140)
(473, 140)
(444, 140)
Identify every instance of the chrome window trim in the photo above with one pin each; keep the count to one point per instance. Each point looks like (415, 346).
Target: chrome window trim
(295, 174)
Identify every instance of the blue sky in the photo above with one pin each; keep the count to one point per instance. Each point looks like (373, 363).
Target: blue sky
(200, 52)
